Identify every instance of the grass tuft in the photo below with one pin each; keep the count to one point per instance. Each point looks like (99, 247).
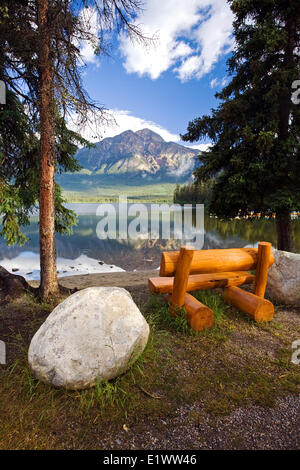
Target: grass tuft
(161, 318)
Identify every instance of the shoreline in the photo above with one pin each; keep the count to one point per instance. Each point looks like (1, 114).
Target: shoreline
(27, 265)
(109, 279)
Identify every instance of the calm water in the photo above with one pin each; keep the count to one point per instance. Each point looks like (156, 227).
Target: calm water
(144, 253)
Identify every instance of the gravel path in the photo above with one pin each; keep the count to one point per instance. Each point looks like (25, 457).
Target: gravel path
(252, 428)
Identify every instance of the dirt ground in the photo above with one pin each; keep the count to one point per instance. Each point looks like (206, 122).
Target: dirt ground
(233, 387)
(122, 279)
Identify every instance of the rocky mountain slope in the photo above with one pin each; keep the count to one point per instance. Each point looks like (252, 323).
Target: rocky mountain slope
(143, 153)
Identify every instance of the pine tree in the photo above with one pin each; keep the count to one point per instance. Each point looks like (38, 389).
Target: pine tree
(255, 157)
(40, 62)
(19, 169)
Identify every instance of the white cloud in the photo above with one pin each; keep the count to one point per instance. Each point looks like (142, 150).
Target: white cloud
(121, 120)
(186, 167)
(125, 120)
(201, 147)
(215, 82)
(191, 35)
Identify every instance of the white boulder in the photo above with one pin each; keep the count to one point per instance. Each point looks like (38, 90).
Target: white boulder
(92, 336)
(284, 278)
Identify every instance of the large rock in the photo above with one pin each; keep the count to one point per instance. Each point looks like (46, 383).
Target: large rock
(12, 286)
(284, 278)
(92, 336)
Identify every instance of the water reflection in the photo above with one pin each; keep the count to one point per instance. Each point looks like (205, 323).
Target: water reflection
(144, 254)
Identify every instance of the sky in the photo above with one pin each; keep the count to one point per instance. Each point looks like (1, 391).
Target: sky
(171, 80)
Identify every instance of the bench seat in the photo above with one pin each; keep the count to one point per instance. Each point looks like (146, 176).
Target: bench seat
(164, 285)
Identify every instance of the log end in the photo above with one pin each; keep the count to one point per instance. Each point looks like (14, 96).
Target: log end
(202, 320)
(264, 312)
(199, 316)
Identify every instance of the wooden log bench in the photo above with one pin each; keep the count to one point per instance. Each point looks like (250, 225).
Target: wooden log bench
(188, 270)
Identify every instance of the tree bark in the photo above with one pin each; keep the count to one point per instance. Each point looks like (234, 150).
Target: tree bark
(49, 281)
(284, 231)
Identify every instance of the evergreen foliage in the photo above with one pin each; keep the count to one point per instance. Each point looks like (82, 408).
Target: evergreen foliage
(255, 157)
(19, 169)
(194, 193)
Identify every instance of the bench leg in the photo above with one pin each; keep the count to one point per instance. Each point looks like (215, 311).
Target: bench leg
(258, 308)
(263, 261)
(181, 278)
(199, 316)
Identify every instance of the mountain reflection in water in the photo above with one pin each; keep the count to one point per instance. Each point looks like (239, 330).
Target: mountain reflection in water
(144, 254)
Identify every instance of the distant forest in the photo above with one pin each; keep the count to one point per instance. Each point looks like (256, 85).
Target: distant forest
(194, 193)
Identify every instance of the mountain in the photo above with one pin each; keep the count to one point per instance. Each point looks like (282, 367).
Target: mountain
(138, 154)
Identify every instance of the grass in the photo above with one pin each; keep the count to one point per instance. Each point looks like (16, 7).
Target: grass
(149, 193)
(160, 317)
(160, 314)
(236, 363)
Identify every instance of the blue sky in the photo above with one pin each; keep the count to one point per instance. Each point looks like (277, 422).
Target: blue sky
(169, 82)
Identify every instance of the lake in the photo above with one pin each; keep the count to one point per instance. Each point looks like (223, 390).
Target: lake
(84, 252)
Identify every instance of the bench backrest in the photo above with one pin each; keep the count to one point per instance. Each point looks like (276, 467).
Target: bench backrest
(214, 261)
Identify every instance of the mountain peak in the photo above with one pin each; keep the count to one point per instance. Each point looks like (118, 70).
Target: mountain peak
(148, 134)
(142, 153)
(127, 133)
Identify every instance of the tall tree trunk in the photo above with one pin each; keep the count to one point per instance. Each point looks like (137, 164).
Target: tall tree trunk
(49, 282)
(284, 231)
